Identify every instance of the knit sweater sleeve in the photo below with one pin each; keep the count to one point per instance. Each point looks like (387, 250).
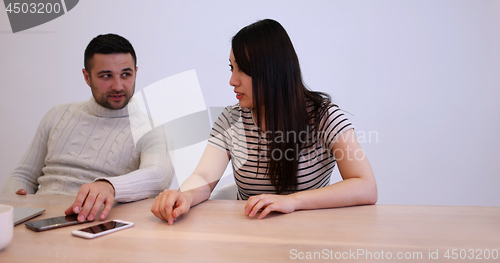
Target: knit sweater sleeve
(28, 170)
(155, 172)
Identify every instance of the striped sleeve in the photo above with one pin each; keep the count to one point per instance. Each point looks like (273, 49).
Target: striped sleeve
(220, 136)
(332, 125)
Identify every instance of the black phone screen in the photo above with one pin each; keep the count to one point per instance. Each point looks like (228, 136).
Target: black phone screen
(50, 223)
(102, 227)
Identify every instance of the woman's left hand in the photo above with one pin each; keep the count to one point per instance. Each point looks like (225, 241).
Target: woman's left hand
(279, 203)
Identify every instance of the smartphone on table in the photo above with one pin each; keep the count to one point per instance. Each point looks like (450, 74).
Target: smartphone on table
(102, 229)
(51, 223)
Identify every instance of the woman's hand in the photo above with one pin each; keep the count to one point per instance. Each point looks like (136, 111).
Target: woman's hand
(170, 204)
(280, 203)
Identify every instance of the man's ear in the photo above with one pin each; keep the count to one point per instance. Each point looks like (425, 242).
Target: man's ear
(86, 76)
(136, 68)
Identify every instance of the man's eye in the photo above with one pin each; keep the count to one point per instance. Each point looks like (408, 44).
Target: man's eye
(105, 76)
(231, 67)
(126, 74)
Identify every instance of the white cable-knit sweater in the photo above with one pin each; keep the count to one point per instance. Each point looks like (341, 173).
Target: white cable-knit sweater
(82, 142)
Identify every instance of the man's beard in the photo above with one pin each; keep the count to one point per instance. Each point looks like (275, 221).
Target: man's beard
(103, 100)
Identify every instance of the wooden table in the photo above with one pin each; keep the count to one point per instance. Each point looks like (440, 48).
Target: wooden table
(218, 231)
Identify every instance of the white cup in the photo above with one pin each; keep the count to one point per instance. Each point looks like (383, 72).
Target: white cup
(6, 225)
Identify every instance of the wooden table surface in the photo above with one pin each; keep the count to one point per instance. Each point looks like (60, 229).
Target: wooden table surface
(218, 231)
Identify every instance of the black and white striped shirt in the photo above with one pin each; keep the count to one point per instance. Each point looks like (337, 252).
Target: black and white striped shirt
(236, 133)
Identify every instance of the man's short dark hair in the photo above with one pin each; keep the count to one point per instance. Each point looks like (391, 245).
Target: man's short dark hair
(108, 44)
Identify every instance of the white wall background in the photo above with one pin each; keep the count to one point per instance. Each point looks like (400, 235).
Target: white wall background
(423, 75)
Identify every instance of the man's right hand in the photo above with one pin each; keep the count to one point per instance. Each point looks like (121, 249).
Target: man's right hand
(170, 204)
(21, 192)
(89, 200)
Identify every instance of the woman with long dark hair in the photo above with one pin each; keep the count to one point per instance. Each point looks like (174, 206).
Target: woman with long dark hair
(282, 138)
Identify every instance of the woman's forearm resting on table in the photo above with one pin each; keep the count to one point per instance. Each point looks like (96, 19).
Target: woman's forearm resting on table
(353, 191)
(349, 192)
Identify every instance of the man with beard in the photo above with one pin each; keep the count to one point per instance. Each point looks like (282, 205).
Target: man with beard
(94, 149)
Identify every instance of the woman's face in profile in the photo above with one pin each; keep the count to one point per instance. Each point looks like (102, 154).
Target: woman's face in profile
(242, 84)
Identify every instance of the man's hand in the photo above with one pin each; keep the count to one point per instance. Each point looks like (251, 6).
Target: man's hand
(90, 199)
(21, 192)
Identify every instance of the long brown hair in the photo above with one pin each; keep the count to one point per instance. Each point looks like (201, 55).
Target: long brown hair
(264, 51)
